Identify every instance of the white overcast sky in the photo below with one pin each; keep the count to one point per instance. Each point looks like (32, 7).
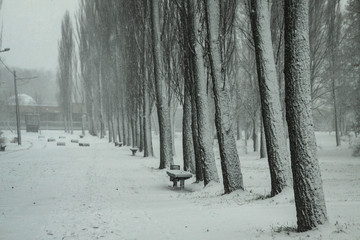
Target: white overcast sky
(31, 29)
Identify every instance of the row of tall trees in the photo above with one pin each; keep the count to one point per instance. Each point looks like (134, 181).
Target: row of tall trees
(223, 61)
(65, 70)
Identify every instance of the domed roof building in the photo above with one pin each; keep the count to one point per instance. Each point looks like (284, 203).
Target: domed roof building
(49, 115)
(24, 100)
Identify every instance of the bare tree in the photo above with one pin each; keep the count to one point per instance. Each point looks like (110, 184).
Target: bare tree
(230, 163)
(333, 42)
(65, 70)
(202, 121)
(278, 156)
(161, 95)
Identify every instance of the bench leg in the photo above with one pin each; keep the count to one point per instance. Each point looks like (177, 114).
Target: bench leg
(175, 183)
(182, 184)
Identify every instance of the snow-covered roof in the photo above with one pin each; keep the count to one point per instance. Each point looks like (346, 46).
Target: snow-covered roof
(24, 100)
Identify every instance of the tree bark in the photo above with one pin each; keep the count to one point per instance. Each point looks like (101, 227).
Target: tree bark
(188, 144)
(277, 152)
(238, 128)
(255, 135)
(203, 122)
(166, 158)
(119, 128)
(148, 150)
(197, 149)
(230, 163)
(333, 43)
(308, 191)
(263, 153)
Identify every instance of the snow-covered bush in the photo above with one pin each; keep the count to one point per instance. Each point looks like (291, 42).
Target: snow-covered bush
(356, 149)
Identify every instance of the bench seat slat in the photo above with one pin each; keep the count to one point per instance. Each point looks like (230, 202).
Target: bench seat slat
(179, 174)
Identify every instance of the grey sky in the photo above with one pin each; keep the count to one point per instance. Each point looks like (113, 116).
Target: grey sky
(31, 28)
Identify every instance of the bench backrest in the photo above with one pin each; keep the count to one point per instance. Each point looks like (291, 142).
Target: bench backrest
(174, 167)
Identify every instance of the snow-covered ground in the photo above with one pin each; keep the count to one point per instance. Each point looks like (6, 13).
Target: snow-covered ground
(102, 192)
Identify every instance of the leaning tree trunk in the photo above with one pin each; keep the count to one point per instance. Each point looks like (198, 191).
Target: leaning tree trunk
(278, 156)
(166, 157)
(308, 191)
(203, 121)
(230, 163)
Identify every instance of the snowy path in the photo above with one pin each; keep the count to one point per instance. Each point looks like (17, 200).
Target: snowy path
(102, 192)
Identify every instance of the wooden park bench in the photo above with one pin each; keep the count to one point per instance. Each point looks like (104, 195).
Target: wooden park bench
(60, 144)
(82, 144)
(133, 150)
(178, 175)
(74, 141)
(51, 140)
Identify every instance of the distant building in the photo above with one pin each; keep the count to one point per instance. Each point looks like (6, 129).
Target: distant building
(50, 115)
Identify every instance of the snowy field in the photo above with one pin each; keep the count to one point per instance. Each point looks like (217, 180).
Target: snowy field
(102, 192)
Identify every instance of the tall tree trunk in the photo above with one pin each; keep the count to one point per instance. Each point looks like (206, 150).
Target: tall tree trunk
(188, 144)
(124, 125)
(119, 127)
(172, 122)
(255, 136)
(138, 131)
(199, 162)
(71, 118)
(133, 132)
(336, 115)
(93, 131)
(101, 107)
(141, 130)
(166, 158)
(238, 128)
(278, 156)
(129, 131)
(65, 123)
(263, 153)
(230, 163)
(109, 128)
(308, 191)
(148, 150)
(203, 121)
(333, 43)
(112, 127)
(191, 148)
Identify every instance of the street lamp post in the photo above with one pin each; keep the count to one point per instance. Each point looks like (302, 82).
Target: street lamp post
(16, 102)
(18, 126)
